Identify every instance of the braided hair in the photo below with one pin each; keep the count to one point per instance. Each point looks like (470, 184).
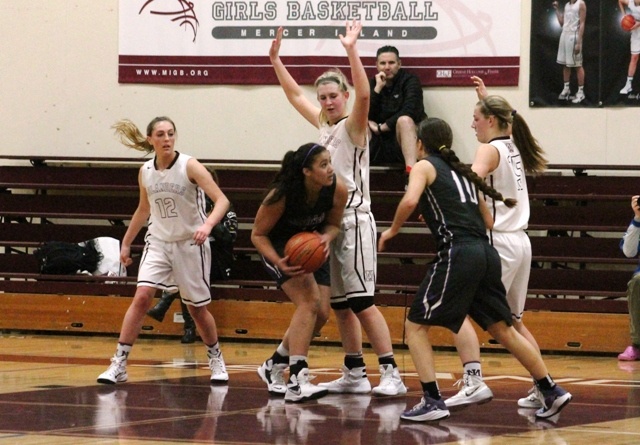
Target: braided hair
(289, 181)
(436, 137)
(531, 152)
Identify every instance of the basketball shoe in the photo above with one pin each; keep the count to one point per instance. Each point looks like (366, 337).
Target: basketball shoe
(627, 88)
(273, 375)
(532, 401)
(353, 381)
(427, 410)
(390, 382)
(218, 369)
(564, 94)
(473, 391)
(579, 97)
(300, 389)
(116, 372)
(554, 400)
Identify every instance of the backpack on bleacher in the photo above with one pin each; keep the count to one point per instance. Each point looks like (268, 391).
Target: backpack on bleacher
(62, 258)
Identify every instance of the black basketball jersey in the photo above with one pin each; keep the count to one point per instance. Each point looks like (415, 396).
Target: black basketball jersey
(302, 218)
(449, 205)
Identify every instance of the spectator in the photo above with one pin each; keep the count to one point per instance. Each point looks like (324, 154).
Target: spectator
(629, 246)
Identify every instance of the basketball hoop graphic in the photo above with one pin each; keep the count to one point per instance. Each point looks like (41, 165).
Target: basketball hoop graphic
(184, 14)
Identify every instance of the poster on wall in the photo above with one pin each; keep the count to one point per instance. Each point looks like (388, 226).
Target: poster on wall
(222, 42)
(581, 54)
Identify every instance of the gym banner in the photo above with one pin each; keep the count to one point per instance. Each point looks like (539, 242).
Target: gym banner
(227, 42)
(605, 61)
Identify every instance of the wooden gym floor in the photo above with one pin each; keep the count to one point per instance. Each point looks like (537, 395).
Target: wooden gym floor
(49, 395)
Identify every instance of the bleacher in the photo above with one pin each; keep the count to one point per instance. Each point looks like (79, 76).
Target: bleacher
(576, 293)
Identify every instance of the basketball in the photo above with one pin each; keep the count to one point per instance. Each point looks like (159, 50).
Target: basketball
(305, 249)
(627, 22)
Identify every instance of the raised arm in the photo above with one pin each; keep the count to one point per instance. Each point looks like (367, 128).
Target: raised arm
(357, 122)
(559, 13)
(292, 90)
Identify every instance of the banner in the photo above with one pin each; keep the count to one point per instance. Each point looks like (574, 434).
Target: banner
(605, 50)
(227, 42)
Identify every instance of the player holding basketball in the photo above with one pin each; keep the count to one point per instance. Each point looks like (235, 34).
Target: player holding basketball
(465, 278)
(634, 8)
(177, 252)
(353, 253)
(305, 196)
(573, 21)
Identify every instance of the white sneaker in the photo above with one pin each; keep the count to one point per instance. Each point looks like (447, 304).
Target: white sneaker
(390, 382)
(473, 392)
(627, 88)
(218, 369)
(564, 94)
(299, 389)
(353, 381)
(116, 373)
(579, 97)
(273, 375)
(532, 401)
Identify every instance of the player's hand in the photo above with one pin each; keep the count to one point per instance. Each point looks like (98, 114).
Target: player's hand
(285, 268)
(352, 33)
(125, 255)
(481, 89)
(577, 47)
(274, 51)
(384, 237)
(555, 5)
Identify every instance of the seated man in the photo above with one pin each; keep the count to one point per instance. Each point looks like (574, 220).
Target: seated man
(396, 107)
(629, 246)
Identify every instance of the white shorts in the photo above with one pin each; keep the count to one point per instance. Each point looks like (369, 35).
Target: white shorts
(354, 257)
(515, 257)
(635, 41)
(566, 53)
(183, 263)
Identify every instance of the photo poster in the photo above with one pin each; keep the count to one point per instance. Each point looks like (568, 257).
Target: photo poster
(444, 42)
(606, 56)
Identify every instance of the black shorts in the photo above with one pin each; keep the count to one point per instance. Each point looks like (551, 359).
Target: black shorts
(384, 149)
(322, 275)
(464, 279)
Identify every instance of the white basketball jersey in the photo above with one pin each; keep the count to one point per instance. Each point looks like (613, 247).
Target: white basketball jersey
(635, 10)
(510, 180)
(350, 162)
(177, 205)
(572, 16)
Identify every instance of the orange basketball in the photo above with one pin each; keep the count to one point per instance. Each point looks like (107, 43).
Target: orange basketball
(627, 22)
(305, 249)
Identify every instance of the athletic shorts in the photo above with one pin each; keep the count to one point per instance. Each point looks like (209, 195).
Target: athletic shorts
(566, 51)
(635, 41)
(514, 249)
(322, 275)
(354, 258)
(165, 265)
(464, 279)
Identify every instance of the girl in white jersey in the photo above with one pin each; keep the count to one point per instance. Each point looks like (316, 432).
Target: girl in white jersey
(177, 251)
(634, 10)
(353, 253)
(508, 150)
(573, 21)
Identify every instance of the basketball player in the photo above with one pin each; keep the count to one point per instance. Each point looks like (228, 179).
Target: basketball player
(466, 276)
(177, 251)
(572, 21)
(353, 269)
(634, 10)
(305, 196)
(507, 152)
